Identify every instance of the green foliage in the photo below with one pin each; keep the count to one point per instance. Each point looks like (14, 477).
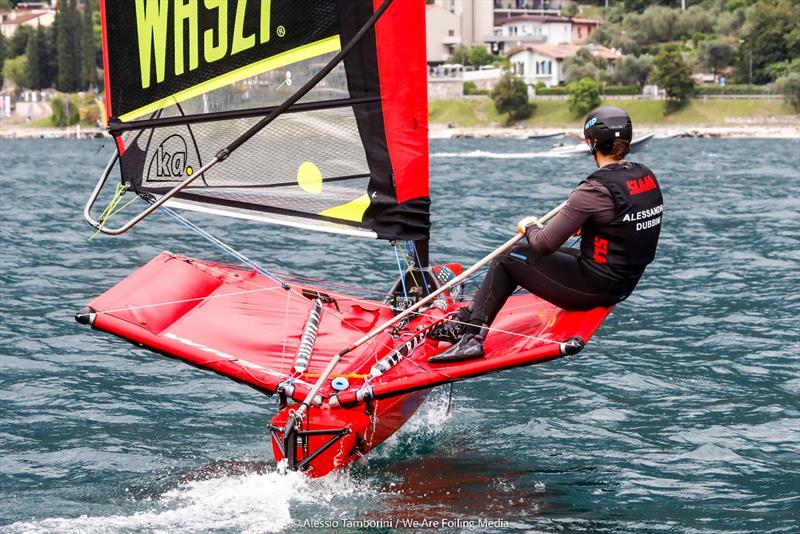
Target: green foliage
(769, 37)
(15, 70)
(731, 89)
(474, 56)
(2, 56)
(730, 22)
(584, 96)
(19, 41)
(68, 46)
(629, 70)
(783, 68)
(510, 96)
(713, 56)
(87, 59)
(33, 66)
(471, 89)
(650, 25)
(583, 65)
(616, 90)
(674, 75)
(569, 10)
(789, 87)
(548, 91)
(65, 110)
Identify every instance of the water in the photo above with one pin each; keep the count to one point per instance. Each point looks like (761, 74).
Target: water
(681, 414)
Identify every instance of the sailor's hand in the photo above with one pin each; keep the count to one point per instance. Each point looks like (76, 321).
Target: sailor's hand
(522, 225)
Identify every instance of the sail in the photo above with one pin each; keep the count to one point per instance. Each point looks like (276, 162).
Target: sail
(186, 79)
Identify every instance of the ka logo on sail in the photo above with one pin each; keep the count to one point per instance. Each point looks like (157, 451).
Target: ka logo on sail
(169, 160)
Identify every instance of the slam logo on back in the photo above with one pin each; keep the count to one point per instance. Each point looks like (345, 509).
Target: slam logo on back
(170, 161)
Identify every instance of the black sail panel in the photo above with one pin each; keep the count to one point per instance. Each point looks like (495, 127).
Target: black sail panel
(186, 79)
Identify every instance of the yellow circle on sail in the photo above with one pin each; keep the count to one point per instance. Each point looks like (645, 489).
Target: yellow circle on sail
(309, 177)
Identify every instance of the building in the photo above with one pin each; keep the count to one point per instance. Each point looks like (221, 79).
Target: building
(582, 29)
(506, 9)
(539, 29)
(477, 19)
(39, 14)
(443, 29)
(544, 63)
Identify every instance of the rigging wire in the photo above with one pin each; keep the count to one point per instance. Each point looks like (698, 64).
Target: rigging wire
(400, 269)
(225, 247)
(283, 285)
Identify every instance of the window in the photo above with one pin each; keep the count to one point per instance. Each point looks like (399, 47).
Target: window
(451, 33)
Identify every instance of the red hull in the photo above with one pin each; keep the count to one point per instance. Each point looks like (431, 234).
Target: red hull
(361, 432)
(247, 327)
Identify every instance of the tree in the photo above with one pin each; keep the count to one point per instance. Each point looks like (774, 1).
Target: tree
(674, 75)
(631, 70)
(88, 66)
(510, 95)
(784, 68)
(19, 41)
(584, 96)
(696, 19)
(764, 35)
(68, 25)
(15, 70)
(569, 10)
(33, 67)
(474, 56)
(64, 110)
(2, 56)
(714, 55)
(789, 87)
(583, 65)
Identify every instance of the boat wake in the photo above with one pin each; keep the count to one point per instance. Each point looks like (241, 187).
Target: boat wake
(270, 500)
(254, 496)
(421, 433)
(498, 155)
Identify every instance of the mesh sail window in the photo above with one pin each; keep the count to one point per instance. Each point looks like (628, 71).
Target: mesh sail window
(186, 78)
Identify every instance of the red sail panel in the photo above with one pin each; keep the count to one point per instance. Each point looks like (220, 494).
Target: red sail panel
(400, 42)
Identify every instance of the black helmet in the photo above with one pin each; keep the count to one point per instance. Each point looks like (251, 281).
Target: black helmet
(605, 124)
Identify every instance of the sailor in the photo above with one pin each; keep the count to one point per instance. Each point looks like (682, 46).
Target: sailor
(617, 213)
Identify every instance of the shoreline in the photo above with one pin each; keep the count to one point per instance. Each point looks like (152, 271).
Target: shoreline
(740, 131)
(442, 131)
(71, 132)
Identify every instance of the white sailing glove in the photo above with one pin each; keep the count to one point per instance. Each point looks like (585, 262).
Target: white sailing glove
(522, 225)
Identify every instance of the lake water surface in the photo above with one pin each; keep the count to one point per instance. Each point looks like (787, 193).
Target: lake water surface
(681, 415)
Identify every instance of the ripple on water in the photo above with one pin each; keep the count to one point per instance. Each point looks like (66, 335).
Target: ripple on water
(681, 415)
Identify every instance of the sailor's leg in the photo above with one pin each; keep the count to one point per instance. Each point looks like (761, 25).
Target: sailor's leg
(559, 279)
(497, 286)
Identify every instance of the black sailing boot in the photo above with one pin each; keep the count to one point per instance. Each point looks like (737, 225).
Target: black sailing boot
(469, 347)
(452, 330)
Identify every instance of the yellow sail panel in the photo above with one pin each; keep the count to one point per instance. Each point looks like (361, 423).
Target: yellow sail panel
(351, 211)
(302, 53)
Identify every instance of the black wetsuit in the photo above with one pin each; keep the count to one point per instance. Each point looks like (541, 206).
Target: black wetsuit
(612, 257)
